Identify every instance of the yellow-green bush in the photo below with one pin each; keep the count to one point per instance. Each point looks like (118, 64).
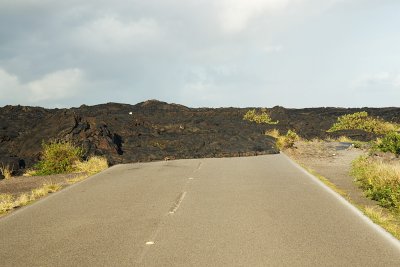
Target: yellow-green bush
(259, 118)
(361, 121)
(288, 140)
(58, 157)
(389, 143)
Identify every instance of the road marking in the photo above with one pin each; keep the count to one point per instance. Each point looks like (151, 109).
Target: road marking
(177, 203)
(149, 243)
(191, 178)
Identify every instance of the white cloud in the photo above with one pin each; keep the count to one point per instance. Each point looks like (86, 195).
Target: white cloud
(53, 86)
(237, 13)
(112, 34)
(382, 81)
(272, 48)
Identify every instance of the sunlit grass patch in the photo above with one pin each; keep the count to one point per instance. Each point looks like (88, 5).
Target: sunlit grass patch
(76, 179)
(288, 140)
(6, 170)
(390, 222)
(379, 180)
(274, 133)
(6, 203)
(92, 166)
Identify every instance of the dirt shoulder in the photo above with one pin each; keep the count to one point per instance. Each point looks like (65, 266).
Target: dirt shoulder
(332, 160)
(25, 184)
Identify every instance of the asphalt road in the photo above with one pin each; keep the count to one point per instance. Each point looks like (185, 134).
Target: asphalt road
(255, 211)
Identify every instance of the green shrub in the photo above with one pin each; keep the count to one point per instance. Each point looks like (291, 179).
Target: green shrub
(264, 117)
(288, 140)
(389, 143)
(361, 121)
(58, 157)
(380, 181)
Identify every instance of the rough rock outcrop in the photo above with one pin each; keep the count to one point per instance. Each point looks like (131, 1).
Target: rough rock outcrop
(155, 130)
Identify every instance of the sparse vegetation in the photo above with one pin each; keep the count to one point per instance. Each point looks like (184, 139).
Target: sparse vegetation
(58, 157)
(379, 180)
(288, 140)
(92, 166)
(259, 118)
(362, 121)
(76, 179)
(8, 202)
(389, 143)
(6, 171)
(274, 133)
(387, 220)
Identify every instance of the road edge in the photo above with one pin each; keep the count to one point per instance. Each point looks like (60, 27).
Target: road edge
(51, 195)
(394, 241)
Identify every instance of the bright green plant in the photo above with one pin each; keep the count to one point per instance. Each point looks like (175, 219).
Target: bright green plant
(58, 157)
(361, 121)
(263, 117)
(389, 143)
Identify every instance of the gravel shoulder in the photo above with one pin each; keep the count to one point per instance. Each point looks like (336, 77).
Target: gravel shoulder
(333, 161)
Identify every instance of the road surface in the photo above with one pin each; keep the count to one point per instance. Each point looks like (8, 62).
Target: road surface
(255, 211)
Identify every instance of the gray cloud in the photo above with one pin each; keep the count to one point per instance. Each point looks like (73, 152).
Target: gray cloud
(198, 53)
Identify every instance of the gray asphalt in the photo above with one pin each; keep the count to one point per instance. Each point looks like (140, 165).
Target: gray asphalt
(255, 211)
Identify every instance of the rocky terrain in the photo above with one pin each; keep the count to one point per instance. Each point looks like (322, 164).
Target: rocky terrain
(155, 130)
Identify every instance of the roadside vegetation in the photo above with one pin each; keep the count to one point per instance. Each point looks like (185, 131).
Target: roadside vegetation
(259, 117)
(57, 158)
(362, 121)
(8, 202)
(284, 141)
(6, 170)
(376, 172)
(380, 180)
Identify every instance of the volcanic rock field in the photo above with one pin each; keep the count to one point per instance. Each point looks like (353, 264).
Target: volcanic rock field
(154, 130)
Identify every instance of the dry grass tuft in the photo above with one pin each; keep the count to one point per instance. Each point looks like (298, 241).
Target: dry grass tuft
(92, 166)
(288, 140)
(274, 133)
(386, 221)
(30, 172)
(344, 139)
(6, 171)
(22, 200)
(6, 203)
(44, 190)
(52, 188)
(76, 179)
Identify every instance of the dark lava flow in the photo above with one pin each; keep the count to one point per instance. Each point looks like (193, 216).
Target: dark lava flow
(155, 130)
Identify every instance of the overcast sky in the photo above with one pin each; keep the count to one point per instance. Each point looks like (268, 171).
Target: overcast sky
(214, 53)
